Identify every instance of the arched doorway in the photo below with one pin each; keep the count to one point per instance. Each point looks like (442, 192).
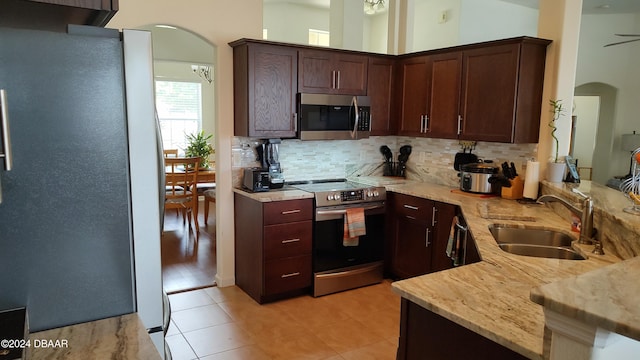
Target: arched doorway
(184, 71)
(604, 130)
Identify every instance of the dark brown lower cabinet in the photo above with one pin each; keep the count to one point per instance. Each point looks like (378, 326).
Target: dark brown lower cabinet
(426, 335)
(418, 233)
(273, 247)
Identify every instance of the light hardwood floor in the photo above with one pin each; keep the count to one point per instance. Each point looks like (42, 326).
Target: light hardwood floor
(187, 264)
(225, 323)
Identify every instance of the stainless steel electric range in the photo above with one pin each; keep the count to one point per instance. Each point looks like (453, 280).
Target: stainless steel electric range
(337, 267)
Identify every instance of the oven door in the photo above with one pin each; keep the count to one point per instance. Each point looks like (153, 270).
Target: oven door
(329, 253)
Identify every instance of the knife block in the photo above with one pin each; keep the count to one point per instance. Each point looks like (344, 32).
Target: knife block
(515, 191)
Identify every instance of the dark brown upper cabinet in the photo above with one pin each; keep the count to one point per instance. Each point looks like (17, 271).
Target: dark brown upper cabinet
(332, 72)
(484, 92)
(264, 89)
(430, 93)
(502, 91)
(380, 92)
(55, 15)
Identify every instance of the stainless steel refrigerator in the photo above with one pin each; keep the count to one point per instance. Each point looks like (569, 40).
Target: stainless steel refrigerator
(80, 177)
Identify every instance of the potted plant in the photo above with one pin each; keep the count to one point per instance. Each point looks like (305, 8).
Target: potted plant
(198, 145)
(556, 167)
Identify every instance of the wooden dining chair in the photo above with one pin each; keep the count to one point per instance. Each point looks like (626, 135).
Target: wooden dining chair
(181, 179)
(209, 197)
(170, 153)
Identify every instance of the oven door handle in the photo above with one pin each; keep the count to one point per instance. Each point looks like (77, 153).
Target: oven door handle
(344, 211)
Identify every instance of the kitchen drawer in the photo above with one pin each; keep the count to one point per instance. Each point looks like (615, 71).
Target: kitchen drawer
(413, 207)
(279, 212)
(287, 274)
(285, 240)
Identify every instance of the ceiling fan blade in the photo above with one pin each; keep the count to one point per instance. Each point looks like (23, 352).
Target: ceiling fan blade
(621, 42)
(627, 34)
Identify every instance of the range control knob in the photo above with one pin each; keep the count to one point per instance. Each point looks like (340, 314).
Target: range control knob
(330, 197)
(336, 196)
(369, 193)
(376, 193)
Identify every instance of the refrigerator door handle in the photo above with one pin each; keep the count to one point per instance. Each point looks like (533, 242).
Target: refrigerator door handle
(6, 137)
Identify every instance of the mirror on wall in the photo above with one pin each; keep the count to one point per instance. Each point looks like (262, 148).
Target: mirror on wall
(606, 93)
(184, 68)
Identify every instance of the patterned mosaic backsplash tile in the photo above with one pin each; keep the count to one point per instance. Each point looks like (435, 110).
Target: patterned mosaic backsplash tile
(431, 160)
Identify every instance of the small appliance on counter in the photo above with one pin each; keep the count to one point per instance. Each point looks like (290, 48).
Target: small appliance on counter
(276, 178)
(269, 174)
(477, 177)
(255, 179)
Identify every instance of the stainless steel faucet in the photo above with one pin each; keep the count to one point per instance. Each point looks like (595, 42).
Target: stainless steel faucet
(586, 218)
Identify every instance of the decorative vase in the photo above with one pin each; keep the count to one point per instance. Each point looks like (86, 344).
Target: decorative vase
(555, 171)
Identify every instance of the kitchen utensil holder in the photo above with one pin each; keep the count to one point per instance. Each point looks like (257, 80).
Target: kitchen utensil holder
(394, 168)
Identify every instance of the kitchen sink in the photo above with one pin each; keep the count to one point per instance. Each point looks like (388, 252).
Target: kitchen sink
(535, 242)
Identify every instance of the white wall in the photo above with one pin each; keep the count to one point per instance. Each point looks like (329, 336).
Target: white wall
(483, 20)
(428, 31)
(586, 110)
(290, 23)
(376, 32)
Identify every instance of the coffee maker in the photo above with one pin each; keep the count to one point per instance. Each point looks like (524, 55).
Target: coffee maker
(269, 160)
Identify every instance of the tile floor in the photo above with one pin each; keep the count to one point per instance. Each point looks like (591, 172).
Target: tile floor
(226, 324)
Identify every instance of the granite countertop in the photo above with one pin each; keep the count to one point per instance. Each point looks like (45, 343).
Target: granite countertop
(275, 195)
(120, 337)
(581, 298)
(492, 297)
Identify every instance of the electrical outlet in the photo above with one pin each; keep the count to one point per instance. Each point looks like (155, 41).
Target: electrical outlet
(442, 18)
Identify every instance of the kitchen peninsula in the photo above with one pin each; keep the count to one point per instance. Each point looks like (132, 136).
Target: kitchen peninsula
(492, 297)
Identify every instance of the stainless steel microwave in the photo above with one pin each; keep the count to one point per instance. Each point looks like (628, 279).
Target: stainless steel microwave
(333, 117)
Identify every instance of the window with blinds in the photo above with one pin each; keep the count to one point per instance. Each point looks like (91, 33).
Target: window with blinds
(179, 105)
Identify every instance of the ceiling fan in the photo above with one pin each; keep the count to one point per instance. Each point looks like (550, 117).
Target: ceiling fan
(626, 41)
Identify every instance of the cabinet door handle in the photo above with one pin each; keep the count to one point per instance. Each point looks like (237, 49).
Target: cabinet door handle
(295, 122)
(433, 216)
(426, 123)
(459, 124)
(427, 242)
(409, 217)
(338, 87)
(289, 275)
(6, 137)
(289, 212)
(333, 79)
(421, 124)
(410, 207)
(290, 241)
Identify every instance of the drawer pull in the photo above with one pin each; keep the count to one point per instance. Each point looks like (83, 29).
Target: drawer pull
(410, 217)
(410, 207)
(290, 275)
(289, 212)
(290, 241)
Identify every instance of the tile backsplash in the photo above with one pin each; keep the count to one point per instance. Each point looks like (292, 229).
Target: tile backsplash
(431, 160)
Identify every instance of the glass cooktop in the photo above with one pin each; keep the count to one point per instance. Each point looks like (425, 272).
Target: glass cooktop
(336, 185)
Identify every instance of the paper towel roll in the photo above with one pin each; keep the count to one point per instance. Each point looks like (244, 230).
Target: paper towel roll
(531, 180)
